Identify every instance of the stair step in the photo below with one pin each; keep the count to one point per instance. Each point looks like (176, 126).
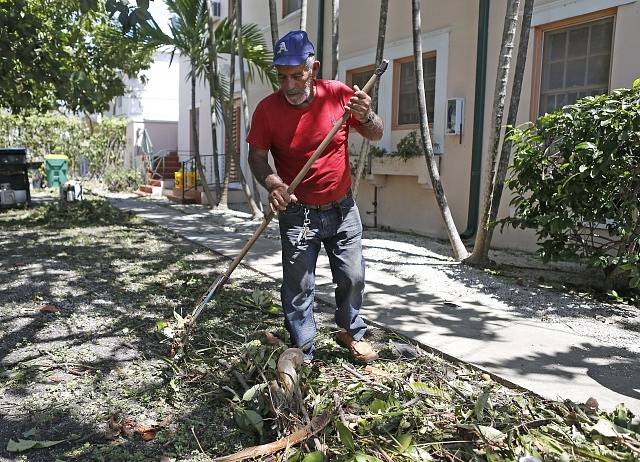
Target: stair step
(155, 182)
(145, 189)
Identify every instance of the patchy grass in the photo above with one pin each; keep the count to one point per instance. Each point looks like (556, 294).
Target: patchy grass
(88, 301)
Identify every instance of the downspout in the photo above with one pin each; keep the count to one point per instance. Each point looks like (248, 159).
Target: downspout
(320, 41)
(478, 120)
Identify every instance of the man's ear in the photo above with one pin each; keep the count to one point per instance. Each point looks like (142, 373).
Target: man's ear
(315, 69)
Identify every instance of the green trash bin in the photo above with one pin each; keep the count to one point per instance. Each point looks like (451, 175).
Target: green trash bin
(55, 167)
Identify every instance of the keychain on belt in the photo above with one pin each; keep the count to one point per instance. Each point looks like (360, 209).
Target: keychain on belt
(302, 237)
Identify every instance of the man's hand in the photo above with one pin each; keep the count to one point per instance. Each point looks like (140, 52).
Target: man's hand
(279, 198)
(359, 105)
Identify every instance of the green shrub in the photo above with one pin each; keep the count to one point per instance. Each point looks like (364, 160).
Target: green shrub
(122, 179)
(576, 180)
(377, 151)
(103, 144)
(409, 146)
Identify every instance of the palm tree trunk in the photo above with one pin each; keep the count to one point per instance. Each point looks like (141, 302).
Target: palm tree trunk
(364, 151)
(335, 38)
(244, 105)
(212, 78)
(273, 21)
(459, 251)
(480, 255)
(512, 117)
(196, 142)
(303, 15)
(229, 122)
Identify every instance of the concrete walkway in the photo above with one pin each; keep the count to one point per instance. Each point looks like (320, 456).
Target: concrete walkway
(547, 358)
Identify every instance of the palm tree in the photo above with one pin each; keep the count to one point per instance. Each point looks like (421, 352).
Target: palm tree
(512, 116)
(214, 91)
(480, 255)
(187, 25)
(459, 251)
(243, 96)
(364, 150)
(335, 37)
(273, 21)
(303, 15)
(229, 122)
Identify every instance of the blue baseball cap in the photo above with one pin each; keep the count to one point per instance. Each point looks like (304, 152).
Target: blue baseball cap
(293, 49)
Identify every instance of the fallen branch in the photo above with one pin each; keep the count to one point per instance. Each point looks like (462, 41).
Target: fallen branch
(315, 426)
(364, 378)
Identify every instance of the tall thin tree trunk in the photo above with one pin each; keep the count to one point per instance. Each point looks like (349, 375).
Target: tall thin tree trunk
(480, 255)
(213, 87)
(459, 251)
(244, 105)
(273, 22)
(303, 15)
(512, 118)
(196, 142)
(229, 122)
(335, 37)
(364, 151)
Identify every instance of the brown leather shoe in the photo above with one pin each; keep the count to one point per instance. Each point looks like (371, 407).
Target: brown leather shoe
(360, 350)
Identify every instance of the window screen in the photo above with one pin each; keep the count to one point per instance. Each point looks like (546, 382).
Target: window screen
(360, 77)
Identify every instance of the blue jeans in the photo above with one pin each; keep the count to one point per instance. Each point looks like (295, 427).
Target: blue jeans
(340, 231)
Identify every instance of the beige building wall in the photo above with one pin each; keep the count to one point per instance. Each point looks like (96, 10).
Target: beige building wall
(403, 198)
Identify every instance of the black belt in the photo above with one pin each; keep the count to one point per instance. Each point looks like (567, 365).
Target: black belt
(330, 205)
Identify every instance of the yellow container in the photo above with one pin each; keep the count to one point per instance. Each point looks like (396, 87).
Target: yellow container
(178, 179)
(191, 180)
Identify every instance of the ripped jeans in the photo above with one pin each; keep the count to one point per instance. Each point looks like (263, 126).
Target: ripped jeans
(339, 229)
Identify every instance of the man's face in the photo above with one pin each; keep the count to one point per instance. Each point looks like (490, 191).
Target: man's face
(296, 82)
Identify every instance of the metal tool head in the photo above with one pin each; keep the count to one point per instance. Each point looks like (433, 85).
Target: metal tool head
(382, 67)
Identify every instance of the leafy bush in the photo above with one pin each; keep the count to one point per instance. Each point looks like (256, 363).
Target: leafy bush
(122, 179)
(103, 144)
(576, 179)
(377, 151)
(409, 146)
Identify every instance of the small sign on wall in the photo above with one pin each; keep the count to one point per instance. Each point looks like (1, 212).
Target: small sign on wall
(455, 116)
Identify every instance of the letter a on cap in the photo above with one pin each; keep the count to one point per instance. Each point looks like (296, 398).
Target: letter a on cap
(282, 48)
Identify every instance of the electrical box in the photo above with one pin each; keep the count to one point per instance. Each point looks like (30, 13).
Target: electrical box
(455, 116)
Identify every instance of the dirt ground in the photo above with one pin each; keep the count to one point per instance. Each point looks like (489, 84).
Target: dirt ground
(86, 294)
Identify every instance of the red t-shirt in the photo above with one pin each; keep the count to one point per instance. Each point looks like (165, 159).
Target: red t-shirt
(292, 135)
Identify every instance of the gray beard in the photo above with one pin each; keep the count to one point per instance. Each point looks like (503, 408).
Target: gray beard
(307, 94)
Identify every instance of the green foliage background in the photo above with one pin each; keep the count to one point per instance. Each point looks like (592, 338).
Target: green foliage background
(576, 179)
(103, 144)
(54, 55)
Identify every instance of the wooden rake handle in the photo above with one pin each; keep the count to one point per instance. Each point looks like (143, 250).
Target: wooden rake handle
(221, 280)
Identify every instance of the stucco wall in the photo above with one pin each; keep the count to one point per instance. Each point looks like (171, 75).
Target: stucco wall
(450, 28)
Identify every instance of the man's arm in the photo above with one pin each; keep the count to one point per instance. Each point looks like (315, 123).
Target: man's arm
(371, 125)
(262, 171)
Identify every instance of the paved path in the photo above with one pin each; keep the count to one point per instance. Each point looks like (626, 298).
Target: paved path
(547, 358)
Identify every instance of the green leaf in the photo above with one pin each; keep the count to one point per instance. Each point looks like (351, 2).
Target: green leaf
(315, 456)
(361, 457)
(251, 392)
(24, 445)
(404, 442)
(636, 83)
(20, 445)
(586, 145)
(161, 324)
(345, 436)
(249, 420)
(481, 403)
(378, 406)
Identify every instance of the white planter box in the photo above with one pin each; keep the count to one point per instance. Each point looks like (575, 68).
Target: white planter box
(392, 165)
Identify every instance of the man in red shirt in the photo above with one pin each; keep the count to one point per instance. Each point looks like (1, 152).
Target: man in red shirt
(291, 124)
